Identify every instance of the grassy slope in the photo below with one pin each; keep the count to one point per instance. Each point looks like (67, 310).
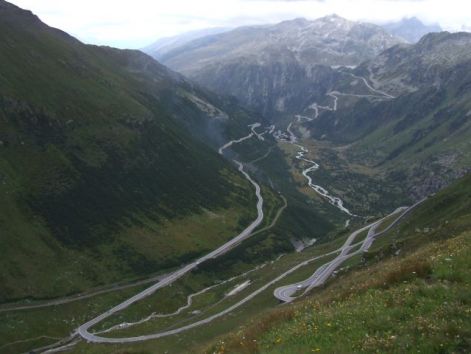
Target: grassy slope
(19, 329)
(416, 301)
(451, 205)
(96, 175)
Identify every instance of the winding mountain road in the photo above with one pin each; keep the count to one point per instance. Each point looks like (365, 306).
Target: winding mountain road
(83, 296)
(322, 274)
(188, 304)
(83, 330)
(319, 277)
(371, 88)
(285, 294)
(335, 201)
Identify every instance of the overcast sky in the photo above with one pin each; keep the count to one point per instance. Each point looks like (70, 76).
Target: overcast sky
(137, 23)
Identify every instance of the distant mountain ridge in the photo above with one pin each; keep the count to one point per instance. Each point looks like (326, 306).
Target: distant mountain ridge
(270, 67)
(408, 68)
(411, 29)
(392, 103)
(161, 47)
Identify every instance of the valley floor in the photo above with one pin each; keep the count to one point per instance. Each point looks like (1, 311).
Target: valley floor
(204, 304)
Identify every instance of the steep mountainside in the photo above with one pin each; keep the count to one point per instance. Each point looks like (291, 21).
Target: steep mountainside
(415, 123)
(96, 166)
(411, 29)
(271, 67)
(428, 63)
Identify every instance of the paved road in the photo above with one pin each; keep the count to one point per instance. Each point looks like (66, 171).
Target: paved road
(342, 252)
(83, 296)
(97, 339)
(335, 201)
(83, 330)
(118, 287)
(334, 94)
(291, 137)
(189, 302)
(320, 276)
(258, 135)
(371, 88)
(284, 293)
(230, 143)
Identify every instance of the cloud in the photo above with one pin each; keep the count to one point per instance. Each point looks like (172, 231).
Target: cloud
(287, 0)
(137, 23)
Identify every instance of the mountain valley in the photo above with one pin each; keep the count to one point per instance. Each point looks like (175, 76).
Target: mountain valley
(170, 202)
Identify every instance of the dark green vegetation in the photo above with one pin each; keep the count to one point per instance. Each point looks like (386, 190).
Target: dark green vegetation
(410, 292)
(99, 179)
(20, 330)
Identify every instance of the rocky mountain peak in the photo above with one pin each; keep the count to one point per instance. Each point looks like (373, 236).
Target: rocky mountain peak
(406, 68)
(445, 48)
(433, 39)
(300, 21)
(411, 29)
(334, 18)
(11, 12)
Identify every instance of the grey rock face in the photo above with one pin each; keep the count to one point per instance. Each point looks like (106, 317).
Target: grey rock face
(272, 67)
(411, 29)
(407, 68)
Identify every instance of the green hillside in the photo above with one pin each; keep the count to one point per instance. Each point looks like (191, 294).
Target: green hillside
(409, 293)
(99, 179)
